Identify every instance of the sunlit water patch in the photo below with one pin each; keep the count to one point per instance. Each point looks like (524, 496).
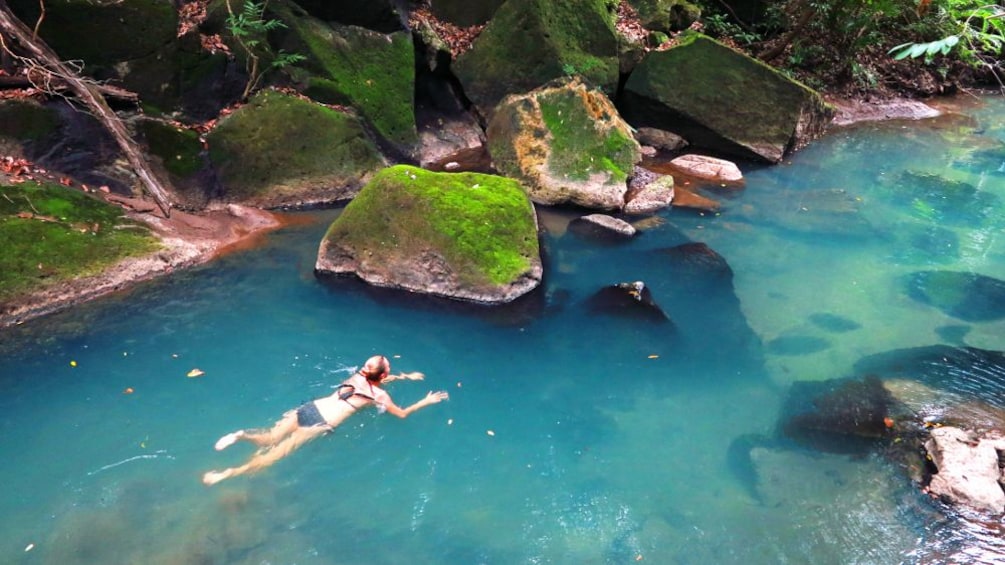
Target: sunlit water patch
(571, 436)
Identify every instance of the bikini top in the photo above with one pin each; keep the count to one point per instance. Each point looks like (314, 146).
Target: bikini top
(346, 391)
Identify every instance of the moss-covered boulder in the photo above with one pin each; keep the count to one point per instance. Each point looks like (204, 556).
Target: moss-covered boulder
(50, 233)
(566, 143)
(466, 236)
(465, 13)
(666, 15)
(530, 42)
(281, 150)
(722, 100)
(102, 32)
(353, 66)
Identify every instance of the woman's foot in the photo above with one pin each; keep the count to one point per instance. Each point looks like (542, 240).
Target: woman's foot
(228, 440)
(213, 477)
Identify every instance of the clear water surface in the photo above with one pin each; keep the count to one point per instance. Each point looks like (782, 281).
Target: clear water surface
(570, 436)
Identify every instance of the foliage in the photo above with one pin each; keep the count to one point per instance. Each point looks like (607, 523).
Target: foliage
(978, 34)
(249, 27)
(51, 233)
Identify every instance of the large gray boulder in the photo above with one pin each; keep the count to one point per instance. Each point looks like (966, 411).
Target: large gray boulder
(567, 144)
(465, 236)
(722, 100)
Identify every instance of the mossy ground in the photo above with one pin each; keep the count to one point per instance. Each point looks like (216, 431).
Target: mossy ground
(278, 140)
(578, 146)
(484, 224)
(50, 233)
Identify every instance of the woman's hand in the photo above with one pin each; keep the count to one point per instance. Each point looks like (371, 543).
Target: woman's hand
(434, 397)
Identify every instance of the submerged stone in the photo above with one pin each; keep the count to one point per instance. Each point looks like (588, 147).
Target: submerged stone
(466, 236)
(838, 415)
(631, 300)
(816, 212)
(966, 296)
(697, 259)
(934, 198)
(964, 386)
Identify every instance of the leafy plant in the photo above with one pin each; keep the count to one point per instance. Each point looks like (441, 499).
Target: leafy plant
(979, 36)
(249, 27)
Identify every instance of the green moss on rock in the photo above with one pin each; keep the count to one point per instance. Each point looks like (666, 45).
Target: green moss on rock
(279, 149)
(566, 143)
(718, 98)
(484, 226)
(530, 42)
(370, 71)
(50, 233)
(178, 148)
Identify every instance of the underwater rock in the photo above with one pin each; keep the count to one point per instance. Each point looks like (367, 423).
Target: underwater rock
(968, 469)
(602, 226)
(697, 259)
(967, 296)
(940, 200)
(839, 415)
(815, 212)
(627, 299)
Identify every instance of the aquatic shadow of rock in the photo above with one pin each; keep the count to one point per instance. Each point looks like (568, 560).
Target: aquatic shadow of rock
(524, 310)
(838, 415)
(696, 285)
(966, 296)
(796, 345)
(833, 323)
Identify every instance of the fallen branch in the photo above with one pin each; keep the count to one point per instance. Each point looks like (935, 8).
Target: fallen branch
(91, 96)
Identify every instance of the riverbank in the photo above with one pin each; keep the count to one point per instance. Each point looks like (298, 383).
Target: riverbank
(191, 238)
(188, 239)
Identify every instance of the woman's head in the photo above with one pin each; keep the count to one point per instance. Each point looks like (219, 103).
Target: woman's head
(376, 368)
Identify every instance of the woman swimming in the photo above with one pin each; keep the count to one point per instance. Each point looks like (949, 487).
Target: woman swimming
(318, 417)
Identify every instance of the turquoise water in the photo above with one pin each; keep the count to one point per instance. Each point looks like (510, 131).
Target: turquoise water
(612, 440)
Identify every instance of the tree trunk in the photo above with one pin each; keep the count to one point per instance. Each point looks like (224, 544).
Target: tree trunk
(91, 96)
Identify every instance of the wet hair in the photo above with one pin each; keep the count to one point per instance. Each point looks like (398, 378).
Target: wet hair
(375, 368)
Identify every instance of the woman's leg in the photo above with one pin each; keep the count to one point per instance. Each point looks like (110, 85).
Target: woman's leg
(265, 457)
(262, 438)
